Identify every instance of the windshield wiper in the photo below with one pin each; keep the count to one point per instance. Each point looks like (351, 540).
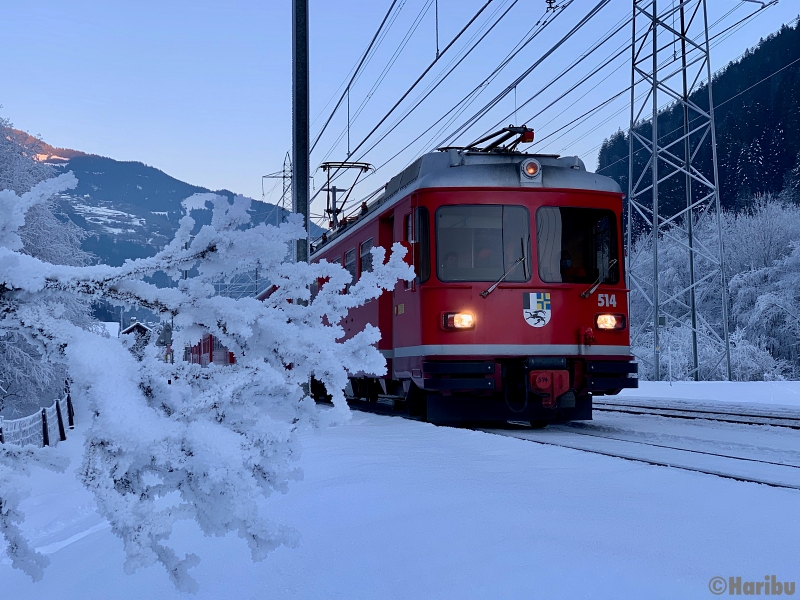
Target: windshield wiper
(493, 287)
(596, 284)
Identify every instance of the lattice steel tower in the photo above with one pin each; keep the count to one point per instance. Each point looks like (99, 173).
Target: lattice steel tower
(673, 187)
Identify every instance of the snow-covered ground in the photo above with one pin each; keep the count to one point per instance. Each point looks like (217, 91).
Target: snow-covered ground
(392, 508)
(780, 393)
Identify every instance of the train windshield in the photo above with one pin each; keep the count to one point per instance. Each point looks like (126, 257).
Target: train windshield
(482, 243)
(576, 245)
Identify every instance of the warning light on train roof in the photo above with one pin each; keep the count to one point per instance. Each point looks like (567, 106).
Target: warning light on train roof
(531, 168)
(526, 137)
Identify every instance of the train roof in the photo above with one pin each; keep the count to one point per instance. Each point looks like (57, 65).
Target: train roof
(455, 167)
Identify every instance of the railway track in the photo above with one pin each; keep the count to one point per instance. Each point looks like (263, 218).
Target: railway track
(742, 418)
(772, 473)
(698, 459)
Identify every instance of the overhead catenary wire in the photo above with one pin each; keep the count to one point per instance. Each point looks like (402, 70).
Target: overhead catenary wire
(440, 80)
(532, 33)
(356, 72)
(422, 76)
(577, 121)
(464, 103)
(578, 61)
(492, 103)
(540, 25)
(336, 174)
(384, 73)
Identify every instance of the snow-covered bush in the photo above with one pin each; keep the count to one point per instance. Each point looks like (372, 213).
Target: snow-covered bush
(750, 361)
(767, 302)
(175, 442)
(764, 336)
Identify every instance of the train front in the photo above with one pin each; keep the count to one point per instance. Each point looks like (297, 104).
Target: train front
(523, 312)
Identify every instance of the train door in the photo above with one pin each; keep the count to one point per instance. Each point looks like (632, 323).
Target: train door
(386, 300)
(406, 313)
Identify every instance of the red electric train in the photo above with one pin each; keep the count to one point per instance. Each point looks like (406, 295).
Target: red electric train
(519, 307)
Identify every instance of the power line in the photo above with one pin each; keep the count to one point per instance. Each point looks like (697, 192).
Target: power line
(532, 33)
(358, 68)
(432, 88)
(425, 72)
(392, 60)
(491, 104)
(594, 72)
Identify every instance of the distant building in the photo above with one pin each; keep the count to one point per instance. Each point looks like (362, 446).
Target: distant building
(142, 333)
(140, 329)
(209, 350)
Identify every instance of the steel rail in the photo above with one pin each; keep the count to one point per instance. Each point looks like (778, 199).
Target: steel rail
(709, 415)
(573, 429)
(382, 408)
(649, 461)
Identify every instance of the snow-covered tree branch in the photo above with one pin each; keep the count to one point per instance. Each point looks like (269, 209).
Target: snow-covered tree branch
(176, 442)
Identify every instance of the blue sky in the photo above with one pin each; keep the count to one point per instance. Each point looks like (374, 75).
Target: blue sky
(202, 90)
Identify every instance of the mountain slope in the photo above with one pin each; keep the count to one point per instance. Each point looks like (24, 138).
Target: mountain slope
(132, 210)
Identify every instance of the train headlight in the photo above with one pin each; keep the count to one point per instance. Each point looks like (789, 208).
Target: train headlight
(531, 168)
(608, 321)
(458, 320)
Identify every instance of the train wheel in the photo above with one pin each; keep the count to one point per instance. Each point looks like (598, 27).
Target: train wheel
(417, 402)
(355, 385)
(373, 388)
(538, 424)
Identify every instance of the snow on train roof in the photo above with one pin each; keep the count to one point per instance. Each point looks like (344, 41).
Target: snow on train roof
(462, 168)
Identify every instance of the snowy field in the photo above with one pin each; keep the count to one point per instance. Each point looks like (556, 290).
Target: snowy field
(392, 508)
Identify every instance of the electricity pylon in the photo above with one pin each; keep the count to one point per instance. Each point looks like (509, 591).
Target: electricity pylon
(673, 185)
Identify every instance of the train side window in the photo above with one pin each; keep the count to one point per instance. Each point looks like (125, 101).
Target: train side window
(576, 245)
(422, 250)
(366, 256)
(350, 265)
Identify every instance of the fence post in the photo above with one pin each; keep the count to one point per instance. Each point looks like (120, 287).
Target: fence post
(45, 432)
(2, 439)
(61, 433)
(70, 412)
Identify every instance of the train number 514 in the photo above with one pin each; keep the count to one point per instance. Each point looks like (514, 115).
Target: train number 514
(606, 300)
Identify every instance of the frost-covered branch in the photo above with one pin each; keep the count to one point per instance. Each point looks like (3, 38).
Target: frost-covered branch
(174, 442)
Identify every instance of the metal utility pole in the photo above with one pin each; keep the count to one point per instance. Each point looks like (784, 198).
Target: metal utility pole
(333, 210)
(673, 185)
(300, 121)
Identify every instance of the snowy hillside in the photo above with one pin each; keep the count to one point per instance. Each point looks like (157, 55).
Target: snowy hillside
(131, 209)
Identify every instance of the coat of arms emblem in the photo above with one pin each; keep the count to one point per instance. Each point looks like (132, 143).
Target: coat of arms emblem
(536, 308)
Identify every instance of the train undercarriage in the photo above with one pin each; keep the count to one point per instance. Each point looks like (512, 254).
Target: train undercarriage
(538, 390)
